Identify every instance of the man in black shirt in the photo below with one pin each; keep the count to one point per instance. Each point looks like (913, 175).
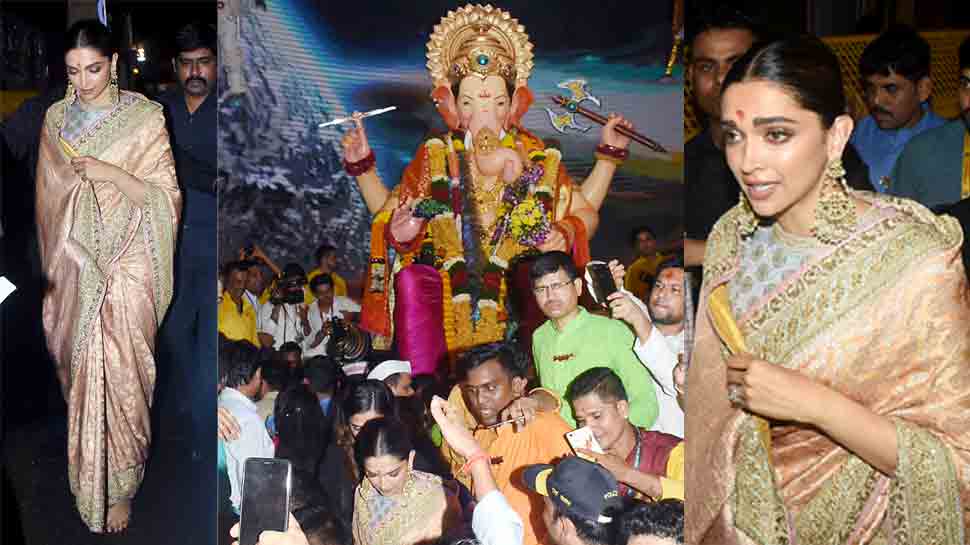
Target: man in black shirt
(720, 37)
(188, 336)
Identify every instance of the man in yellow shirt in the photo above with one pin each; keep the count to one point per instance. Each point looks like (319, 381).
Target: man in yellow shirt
(326, 263)
(643, 271)
(646, 463)
(237, 316)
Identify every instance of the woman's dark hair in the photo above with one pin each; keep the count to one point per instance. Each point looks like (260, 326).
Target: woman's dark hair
(90, 33)
(370, 395)
(382, 437)
(805, 66)
(303, 430)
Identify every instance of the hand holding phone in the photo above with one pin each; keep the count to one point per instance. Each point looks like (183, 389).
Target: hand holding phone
(601, 280)
(583, 438)
(267, 483)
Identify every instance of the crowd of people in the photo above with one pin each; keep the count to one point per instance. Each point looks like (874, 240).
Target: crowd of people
(372, 462)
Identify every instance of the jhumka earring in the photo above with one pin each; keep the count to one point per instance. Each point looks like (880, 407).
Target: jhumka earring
(71, 94)
(835, 215)
(747, 219)
(113, 86)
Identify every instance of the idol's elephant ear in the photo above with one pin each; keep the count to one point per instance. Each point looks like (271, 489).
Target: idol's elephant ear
(444, 101)
(521, 100)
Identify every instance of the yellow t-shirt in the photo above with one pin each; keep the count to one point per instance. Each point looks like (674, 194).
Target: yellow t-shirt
(642, 274)
(672, 484)
(339, 286)
(236, 326)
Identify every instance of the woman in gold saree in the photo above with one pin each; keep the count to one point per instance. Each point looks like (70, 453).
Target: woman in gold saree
(394, 503)
(107, 209)
(828, 397)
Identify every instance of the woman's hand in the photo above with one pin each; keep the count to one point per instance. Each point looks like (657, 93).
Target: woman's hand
(775, 392)
(95, 170)
(456, 434)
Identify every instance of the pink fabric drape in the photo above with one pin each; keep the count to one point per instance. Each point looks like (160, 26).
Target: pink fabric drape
(419, 318)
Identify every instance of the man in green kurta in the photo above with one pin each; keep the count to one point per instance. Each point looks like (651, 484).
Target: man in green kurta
(573, 340)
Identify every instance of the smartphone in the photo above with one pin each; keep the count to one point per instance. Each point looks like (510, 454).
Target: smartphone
(603, 283)
(265, 498)
(583, 438)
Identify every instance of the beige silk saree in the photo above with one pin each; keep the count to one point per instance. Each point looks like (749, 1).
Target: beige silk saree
(883, 318)
(108, 264)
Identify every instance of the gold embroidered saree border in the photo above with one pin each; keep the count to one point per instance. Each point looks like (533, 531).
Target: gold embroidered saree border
(925, 491)
(793, 320)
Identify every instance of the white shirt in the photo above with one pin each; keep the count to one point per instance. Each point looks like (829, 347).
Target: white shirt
(340, 308)
(659, 355)
(494, 522)
(256, 305)
(253, 442)
(288, 326)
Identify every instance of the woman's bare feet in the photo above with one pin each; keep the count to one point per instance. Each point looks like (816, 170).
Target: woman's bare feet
(118, 515)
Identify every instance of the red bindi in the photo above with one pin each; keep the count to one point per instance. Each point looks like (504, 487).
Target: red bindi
(740, 115)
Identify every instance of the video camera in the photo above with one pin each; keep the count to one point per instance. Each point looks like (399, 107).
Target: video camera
(289, 289)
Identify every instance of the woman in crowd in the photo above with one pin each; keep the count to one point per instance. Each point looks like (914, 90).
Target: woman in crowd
(843, 415)
(339, 472)
(304, 433)
(107, 211)
(396, 504)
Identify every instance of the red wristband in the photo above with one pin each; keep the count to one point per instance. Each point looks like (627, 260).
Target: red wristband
(476, 458)
(359, 167)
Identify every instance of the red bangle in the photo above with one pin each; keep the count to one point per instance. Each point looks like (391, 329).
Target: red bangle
(357, 168)
(476, 458)
(613, 151)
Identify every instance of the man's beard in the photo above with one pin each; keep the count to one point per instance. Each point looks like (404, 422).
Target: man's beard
(661, 320)
(193, 91)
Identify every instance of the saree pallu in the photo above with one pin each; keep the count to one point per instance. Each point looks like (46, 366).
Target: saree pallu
(884, 319)
(426, 510)
(108, 264)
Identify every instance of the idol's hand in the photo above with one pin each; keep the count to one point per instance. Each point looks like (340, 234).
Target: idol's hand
(772, 391)
(404, 225)
(355, 142)
(612, 137)
(91, 169)
(555, 241)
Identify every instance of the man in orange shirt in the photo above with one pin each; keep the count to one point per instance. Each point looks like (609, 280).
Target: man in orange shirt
(492, 378)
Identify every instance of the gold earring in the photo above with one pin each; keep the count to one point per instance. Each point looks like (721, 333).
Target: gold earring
(835, 215)
(747, 220)
(113, 86)
(70, 95)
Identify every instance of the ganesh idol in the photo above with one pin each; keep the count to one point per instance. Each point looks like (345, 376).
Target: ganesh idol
(447, 241)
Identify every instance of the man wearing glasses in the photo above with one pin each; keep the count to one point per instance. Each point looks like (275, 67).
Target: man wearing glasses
(188, 335)
(573, 340)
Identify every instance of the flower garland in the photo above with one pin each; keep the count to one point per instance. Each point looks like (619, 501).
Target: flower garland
(525, 219)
